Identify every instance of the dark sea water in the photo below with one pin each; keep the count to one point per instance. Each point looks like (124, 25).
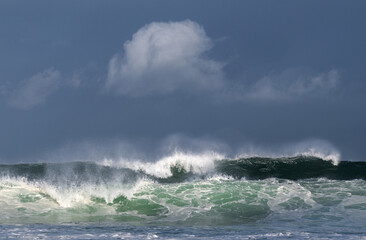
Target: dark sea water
(247, 198)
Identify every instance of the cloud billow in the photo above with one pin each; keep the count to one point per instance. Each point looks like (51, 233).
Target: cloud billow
(168, 57)
(35, 90)
(164, 58)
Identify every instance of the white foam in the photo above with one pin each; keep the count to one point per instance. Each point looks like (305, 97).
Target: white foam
(203, 163)
(197, 163)
(65, 197)
(334, 157)
(81, 195)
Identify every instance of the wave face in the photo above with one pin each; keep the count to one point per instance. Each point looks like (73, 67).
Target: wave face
(292, 168)
(219, 192)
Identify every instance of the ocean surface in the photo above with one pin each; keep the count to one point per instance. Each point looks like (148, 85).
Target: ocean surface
(302, 197)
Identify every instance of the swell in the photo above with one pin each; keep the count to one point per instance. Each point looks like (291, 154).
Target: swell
(253, 168)
(70, 173)
(294, 168)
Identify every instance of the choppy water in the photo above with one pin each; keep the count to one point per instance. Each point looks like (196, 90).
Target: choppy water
(251, 198)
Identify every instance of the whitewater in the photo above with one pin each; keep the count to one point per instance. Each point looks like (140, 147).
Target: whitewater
(183, 195)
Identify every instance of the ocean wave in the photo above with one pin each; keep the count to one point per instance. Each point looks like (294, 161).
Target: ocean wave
(214, 201)
(180, 189)
(181, 167)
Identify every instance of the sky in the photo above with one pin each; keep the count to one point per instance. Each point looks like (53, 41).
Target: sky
(82, 79)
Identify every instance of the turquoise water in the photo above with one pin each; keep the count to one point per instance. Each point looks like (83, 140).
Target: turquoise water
(256, 198)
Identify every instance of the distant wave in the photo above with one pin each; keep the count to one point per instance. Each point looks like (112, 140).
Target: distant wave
(292, 168)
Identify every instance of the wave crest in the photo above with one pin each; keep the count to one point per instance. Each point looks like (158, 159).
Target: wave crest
(200, 164)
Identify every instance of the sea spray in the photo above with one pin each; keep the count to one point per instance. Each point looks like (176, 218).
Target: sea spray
(200, 164)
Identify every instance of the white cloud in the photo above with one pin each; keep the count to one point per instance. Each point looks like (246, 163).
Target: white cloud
(35, 90)
(163, 58)
(291, 84)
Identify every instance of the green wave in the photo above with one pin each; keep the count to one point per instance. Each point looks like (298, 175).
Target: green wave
(215, 201)
(292, 168)
(229, 192)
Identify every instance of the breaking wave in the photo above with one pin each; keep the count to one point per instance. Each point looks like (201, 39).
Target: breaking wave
(180, 189)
